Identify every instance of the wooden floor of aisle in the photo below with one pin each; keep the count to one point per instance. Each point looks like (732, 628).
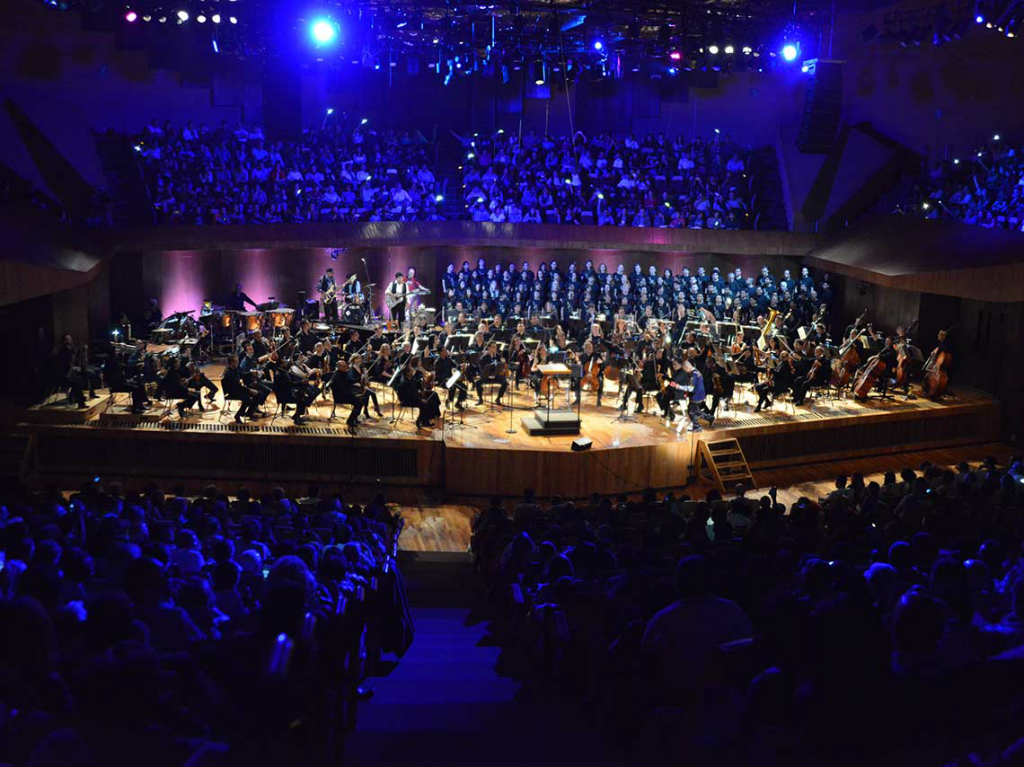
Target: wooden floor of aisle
(446, 527)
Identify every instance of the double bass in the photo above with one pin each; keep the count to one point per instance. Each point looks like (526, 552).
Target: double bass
(846, 362)
(905, 361)
(936, 377)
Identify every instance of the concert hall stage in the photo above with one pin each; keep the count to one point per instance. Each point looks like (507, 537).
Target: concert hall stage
(476, 455)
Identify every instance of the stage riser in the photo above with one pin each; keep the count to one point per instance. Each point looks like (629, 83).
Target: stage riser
(851, 437)
(95, 451)
(211, 452)
(475, 472)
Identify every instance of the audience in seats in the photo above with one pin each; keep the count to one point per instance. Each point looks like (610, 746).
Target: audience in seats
(984, 187)
(149, 628)
(651, 181)
(879, 624)
(219, 175)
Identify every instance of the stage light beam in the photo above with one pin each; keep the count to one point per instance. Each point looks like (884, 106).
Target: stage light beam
(323, 31)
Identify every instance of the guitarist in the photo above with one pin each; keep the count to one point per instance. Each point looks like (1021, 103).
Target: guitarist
(395, 296)
(329, 295)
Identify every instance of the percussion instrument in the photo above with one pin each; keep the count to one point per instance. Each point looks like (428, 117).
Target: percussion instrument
(252, 320)
(281, 318)
(226, 318)
(353, 315)
(161, 335)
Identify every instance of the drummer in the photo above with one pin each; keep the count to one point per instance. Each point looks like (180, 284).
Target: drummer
(237, 301)
(351, 288)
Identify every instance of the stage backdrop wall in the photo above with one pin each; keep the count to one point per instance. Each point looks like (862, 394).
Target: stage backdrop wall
(183, 279)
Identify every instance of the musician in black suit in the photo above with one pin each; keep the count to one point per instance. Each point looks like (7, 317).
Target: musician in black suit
(119, 381)
(444, 368)
(397, 292)
(673, 392)
(329, 295)
(489, 372)
(237, 300)
(344, 391)
(235, 387)
(781, 377)
(291, 390)
(174, 386)
(67, 373)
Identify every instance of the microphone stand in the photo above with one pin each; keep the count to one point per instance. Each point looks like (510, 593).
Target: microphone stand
(512, 399)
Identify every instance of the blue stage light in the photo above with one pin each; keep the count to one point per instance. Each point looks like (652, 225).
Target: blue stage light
(323, 31)
(979, 19)
(790, 52)
(598, 45)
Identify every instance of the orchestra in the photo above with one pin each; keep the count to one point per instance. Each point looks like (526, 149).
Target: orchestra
(677, 338)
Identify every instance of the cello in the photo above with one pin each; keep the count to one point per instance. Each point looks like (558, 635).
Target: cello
(867, 377)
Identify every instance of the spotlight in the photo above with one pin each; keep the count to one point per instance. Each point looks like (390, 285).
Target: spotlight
(201, 19)
(673, 71)
(183, 16)
(435, 41)
(215, 18)
(805, 69)
(598, 45)
(147, 18)
(979, 19)
(995, 137)
(729, 50)
(789, 52)
(925, 206)
(438, 198)
(162, 19)
(675, 55)
(364, 121)
(131, 17)
(330, 111)
(747, 50)
(537, 72)
(323, 31)
(713, 50)
(956, 160)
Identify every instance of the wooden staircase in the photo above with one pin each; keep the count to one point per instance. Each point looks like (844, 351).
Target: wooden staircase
(722, 461)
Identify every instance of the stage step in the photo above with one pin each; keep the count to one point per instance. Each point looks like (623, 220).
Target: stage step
(722, 461)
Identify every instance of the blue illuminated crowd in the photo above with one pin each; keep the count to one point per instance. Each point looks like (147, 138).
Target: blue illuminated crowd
(225, 175)
(646, 181)
(880, 624)
(984, 187)
(144, 628)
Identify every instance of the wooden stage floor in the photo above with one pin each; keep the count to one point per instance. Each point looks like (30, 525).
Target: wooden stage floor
(475, 455)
